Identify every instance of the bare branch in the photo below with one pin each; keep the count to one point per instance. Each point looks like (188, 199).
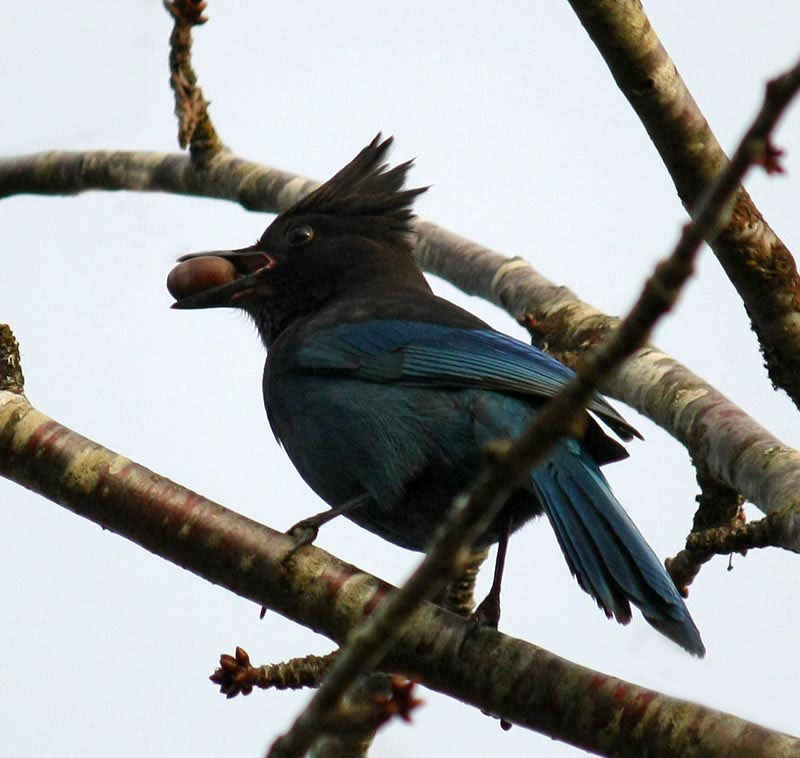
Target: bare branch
(718, 505)
(223, 176)
(11, 378)
(237, 675)
(195, 129)
(736, 539)
(518, 681)
(737, 449)
(754, 258)
(368, 705)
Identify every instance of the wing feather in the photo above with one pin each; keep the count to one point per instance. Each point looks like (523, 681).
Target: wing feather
(424, 354)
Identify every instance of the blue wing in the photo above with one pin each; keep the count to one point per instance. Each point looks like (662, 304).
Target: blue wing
(426, 354)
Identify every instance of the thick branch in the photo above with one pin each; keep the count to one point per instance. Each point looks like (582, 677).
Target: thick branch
(513, 679)
(754, 258)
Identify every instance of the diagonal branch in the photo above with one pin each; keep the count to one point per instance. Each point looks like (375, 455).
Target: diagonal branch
(755, 259)
(520, 682)
(473, 511)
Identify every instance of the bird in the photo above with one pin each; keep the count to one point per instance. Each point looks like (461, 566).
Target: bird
(386, 396)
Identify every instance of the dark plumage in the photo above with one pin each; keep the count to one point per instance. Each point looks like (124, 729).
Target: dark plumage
(384, 395)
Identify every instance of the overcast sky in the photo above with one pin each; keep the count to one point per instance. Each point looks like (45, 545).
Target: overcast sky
(530, 148)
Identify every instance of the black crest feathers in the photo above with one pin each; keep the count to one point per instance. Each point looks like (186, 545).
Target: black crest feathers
(366, 187)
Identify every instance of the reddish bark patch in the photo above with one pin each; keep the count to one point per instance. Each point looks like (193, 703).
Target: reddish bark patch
(375, 600)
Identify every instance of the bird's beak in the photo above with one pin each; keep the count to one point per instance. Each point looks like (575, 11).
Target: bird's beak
(219, 278)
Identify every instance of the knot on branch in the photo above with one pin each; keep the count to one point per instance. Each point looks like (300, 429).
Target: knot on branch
(11, 378)
(188, 12)
(718, 506)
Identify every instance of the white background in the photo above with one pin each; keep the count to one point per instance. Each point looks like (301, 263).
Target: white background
(530, 148)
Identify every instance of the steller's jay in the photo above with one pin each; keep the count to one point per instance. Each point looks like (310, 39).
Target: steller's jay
(385, 396)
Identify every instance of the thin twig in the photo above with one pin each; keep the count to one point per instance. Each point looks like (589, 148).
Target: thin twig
(718, 505)
(474, 511)
(368, 705)
(236, 675)
(724, 540)
(11, 378)
(195, 129)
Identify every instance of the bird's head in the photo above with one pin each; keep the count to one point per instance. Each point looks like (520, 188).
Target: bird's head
(352, 235)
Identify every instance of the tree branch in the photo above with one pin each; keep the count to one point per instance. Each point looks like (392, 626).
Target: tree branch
(737, 450)
(717, 506)
(195, 129)
(237, 675)
(11, 378)
(756, 261)
(369, 704)
(511, 678)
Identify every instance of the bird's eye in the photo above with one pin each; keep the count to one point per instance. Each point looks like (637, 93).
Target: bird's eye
(300, 234)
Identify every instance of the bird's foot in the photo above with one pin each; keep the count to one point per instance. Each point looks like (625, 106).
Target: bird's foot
(486, 615)
(488, 612)
(305, 532)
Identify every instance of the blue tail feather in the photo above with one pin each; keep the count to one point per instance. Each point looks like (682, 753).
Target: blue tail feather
(580, 551)
(604, 549)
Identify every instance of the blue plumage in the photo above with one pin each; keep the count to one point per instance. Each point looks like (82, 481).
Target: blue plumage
(422, 353)
(385, 396)
(405, 408)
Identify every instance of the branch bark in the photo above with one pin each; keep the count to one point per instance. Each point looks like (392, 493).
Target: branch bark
(524, 684)
(755, 259)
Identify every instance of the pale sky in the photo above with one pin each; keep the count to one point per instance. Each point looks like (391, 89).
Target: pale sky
(530, 149)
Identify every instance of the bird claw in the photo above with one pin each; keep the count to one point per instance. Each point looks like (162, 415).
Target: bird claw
(487, 613)
(485, 616)
(303, 532)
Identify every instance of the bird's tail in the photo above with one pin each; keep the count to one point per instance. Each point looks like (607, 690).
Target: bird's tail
(604, 549)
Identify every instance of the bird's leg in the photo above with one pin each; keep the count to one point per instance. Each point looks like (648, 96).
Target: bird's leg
(305, 532)
(488, 612)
